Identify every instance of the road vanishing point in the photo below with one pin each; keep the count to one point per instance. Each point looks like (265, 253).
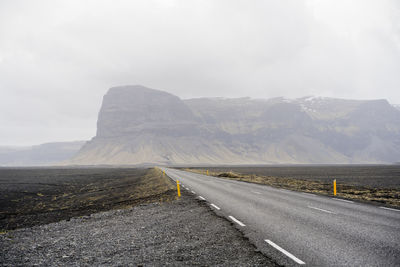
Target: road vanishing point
(295, 228)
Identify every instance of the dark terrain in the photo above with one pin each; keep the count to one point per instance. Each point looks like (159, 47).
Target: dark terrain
(377, 183)
(31, 196)
(172, 233)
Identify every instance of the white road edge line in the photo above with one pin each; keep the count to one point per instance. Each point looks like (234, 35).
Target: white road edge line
(327, 211)
(255, 192)
(285, 252)
(202, 198)
(236, 221)
(193, 192)
(343, 200)
(309, 194)
(388, 208)
(215, 206)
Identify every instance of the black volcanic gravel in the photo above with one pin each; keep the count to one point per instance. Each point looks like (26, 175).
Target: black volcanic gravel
(179, 233)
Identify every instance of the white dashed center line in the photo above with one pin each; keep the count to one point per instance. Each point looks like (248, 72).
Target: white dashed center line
(187, 188)
(236, 221)
(327, 211)
(193, 192)
(290, 255)
(202, 198)
(215, 206)
(343, 200)
(255, 192)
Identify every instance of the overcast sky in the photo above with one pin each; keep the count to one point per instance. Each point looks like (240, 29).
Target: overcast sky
(58, 58)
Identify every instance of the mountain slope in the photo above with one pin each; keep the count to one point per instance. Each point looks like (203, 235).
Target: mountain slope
(139, 125)
(40, 155)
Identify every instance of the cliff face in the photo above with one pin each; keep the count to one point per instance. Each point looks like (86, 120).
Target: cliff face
(132, 110)
(139, 125)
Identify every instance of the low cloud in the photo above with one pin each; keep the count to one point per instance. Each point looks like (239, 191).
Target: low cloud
(58, 58)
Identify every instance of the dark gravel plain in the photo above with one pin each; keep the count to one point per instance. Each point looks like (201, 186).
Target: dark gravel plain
(33, 196)
(178, 233)
(376, 176)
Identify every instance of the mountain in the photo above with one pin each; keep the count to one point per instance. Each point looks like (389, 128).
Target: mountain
(139, 125)
(39, 155)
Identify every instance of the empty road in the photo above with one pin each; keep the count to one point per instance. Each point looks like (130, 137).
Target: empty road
(295, 228)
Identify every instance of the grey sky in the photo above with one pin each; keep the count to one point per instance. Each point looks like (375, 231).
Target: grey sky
(58, 58)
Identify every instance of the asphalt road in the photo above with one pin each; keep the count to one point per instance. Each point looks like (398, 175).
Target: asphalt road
(295, 228)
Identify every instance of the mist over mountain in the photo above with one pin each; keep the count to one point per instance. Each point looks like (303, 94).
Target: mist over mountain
(39, 155)
(139, 125)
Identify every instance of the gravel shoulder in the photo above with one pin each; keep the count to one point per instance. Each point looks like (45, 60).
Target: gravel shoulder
(177, 233)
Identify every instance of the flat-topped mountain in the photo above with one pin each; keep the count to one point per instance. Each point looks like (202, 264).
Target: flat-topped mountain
(139, 125)
(130, 110)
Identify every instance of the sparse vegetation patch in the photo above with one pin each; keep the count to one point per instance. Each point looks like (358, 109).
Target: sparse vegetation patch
(381, 188)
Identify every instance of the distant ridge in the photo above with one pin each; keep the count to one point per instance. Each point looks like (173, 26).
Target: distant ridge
(139, 125)
(40, 155)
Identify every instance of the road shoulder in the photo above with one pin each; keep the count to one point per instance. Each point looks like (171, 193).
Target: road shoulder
(182, 232)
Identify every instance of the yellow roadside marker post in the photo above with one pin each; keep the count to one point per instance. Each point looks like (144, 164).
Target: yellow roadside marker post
(178, 188)
(334, 187)
(207, 172)
(163, 172)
